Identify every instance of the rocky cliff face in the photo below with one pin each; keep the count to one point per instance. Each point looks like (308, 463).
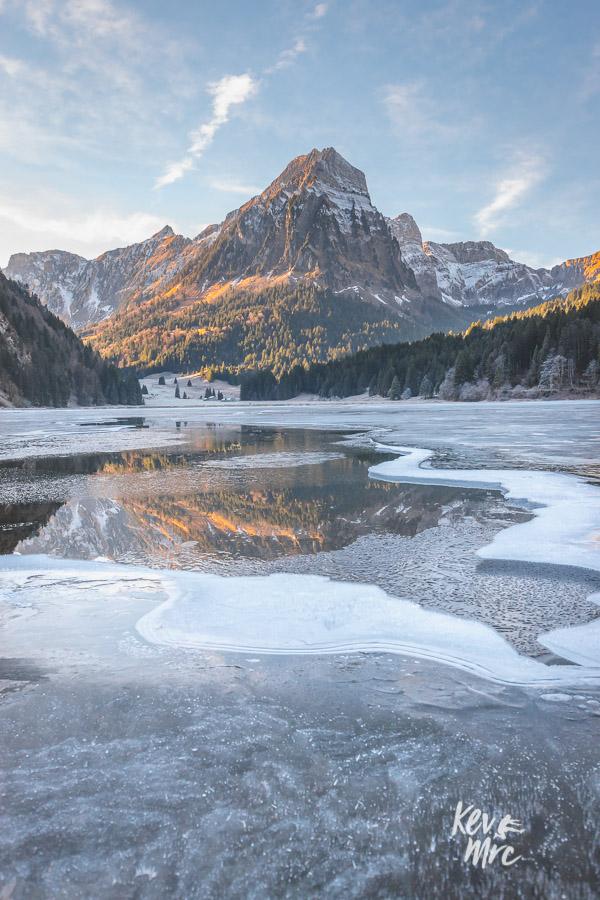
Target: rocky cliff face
(53, 275)
(83, 291)
(476, 273)
(315, 223)
(410, 242)
(574, 272)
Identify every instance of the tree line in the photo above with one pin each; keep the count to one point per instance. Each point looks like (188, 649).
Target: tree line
(542, 351)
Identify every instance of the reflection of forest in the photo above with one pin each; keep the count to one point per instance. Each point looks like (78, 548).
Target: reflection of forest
(18, 521)
(147, 505)
(267, 523)
(326, 511)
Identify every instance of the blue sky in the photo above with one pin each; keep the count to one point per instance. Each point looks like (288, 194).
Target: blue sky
(479, 117)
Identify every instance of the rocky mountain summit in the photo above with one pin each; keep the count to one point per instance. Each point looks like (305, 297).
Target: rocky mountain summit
(314, 227)
(316, 221)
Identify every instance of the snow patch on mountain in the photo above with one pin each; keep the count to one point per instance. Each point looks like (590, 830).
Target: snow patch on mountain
(477, 273)
(82, 291)
(315, 222)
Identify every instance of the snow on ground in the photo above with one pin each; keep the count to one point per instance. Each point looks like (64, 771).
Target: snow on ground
(580, 643)
(164, 395)
(564, 530)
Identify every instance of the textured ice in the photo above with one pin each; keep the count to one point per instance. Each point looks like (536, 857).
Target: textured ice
(564, 530)
(580, 643)
(560, 432)
(279, 614)
(282, 460)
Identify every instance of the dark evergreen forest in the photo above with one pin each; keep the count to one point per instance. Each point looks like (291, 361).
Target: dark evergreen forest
(542, 351)
(44, 363)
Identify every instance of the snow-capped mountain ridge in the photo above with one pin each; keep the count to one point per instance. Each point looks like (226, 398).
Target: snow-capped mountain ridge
(82, 291)
(315, 222)
(477, 273)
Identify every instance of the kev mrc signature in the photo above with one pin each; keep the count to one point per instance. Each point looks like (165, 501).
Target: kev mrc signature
(487, 837)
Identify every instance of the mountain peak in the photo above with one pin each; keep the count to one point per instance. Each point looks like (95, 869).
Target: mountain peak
(477, 251)
(323, 170)
(165, 232)
(405, 229)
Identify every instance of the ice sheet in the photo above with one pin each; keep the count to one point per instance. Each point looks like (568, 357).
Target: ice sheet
(282, 613)
(282, 460)
(563, 432)
(564, 530)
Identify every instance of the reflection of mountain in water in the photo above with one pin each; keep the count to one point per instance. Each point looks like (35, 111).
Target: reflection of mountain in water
(265, 514)
(18, 521)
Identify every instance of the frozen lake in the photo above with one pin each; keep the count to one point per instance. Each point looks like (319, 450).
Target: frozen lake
(253, 653)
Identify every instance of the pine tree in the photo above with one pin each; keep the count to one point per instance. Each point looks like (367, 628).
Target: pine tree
(161, 380)
(177, 397)
(395, 391)
(463, 369)
(426, 388)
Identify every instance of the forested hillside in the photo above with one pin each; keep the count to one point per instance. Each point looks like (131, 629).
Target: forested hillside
(268, 327)
(43, 363)
(543, 351)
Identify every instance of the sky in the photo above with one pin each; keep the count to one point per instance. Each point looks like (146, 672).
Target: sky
(480, 118)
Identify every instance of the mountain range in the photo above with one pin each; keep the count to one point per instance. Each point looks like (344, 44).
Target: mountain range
(305, 271)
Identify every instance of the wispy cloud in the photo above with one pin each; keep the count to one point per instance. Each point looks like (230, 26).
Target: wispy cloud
(510, 189)
(54, 221)
(95, 84)
(231, 90)
(319, 11)
(100, 19)
(105, 226)
(288, 56)
(412, 111)
(234, 187)
(11, 66)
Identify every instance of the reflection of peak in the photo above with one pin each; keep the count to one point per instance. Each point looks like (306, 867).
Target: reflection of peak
(262, 522)
(18, 522)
